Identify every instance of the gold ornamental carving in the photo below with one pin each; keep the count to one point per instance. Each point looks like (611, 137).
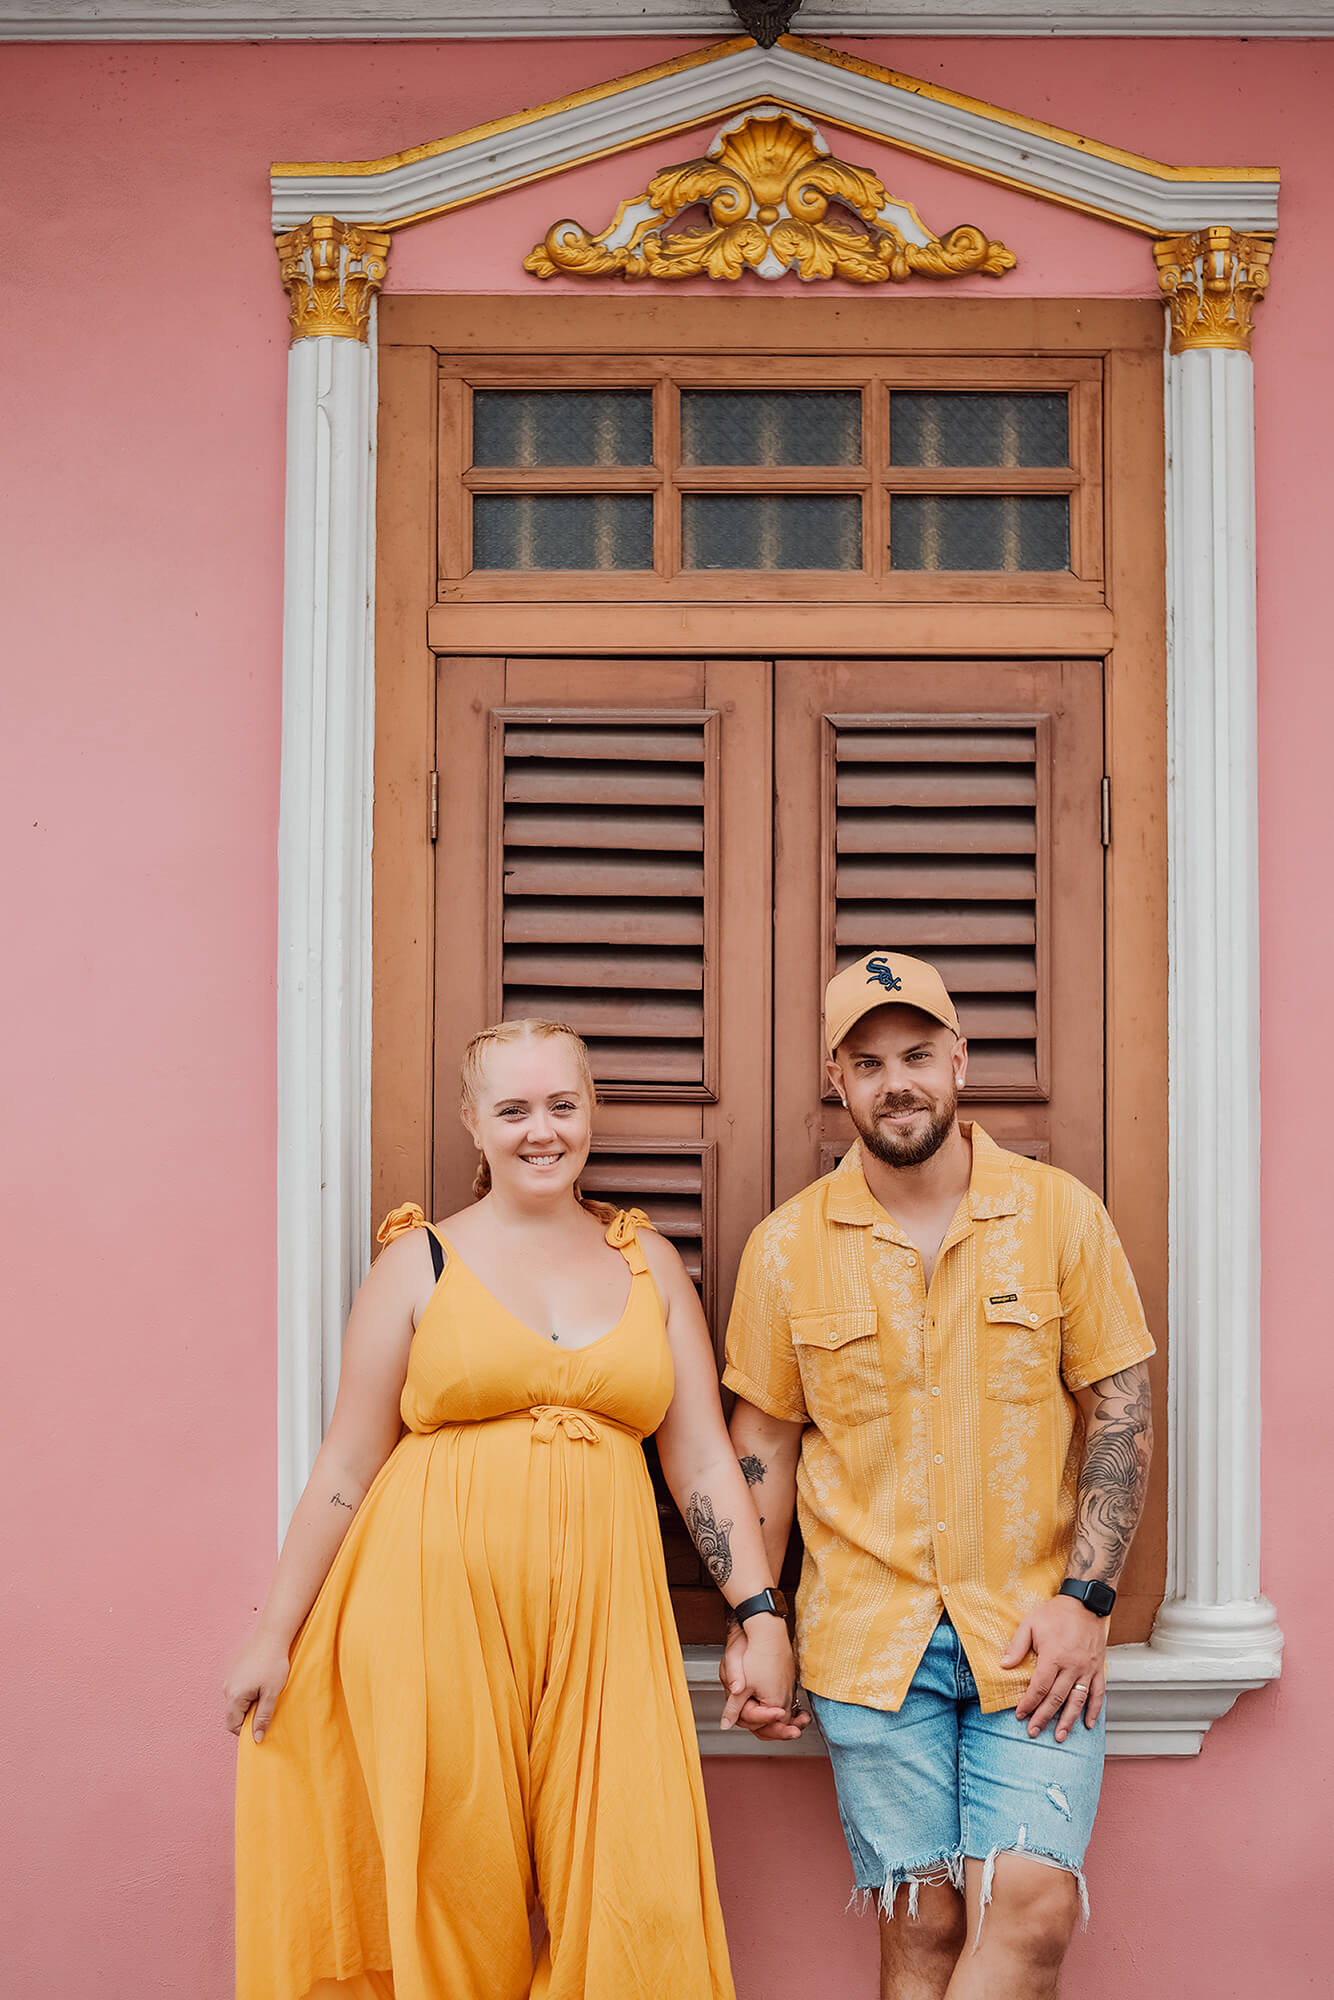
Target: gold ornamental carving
(331, 271)
(775, 200)
(1213, 281)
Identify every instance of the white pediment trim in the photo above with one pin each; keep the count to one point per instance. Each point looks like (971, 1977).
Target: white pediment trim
(426, 20)
(818, 83)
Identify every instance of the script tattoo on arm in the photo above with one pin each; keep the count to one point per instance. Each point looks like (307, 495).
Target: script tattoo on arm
(338, 1501)
(711, 1537)
(1114, 1475)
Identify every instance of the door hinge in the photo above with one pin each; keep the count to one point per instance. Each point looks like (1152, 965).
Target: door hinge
(1106, 812)
(435, 804)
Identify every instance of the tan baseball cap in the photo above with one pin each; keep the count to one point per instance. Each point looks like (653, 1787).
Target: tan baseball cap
(884, 979)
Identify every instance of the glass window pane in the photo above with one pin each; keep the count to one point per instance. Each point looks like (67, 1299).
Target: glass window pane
(771, 531)
(771, 427)
(562, 427)
(935, 427)
(562, 531)
(981, 531)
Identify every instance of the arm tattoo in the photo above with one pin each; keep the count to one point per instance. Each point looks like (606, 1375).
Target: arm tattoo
(711, 1537)
(1114, 1475)
(338, 1501)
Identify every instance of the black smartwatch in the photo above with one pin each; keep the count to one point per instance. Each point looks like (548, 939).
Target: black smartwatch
(1095, 1597)
(772, 1601)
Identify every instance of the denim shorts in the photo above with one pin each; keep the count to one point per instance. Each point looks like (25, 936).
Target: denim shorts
(938, 1781)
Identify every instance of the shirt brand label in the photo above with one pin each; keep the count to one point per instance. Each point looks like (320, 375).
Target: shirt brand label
(1003, 1299)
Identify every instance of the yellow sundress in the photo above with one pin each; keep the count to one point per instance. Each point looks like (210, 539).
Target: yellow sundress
(487, 1707)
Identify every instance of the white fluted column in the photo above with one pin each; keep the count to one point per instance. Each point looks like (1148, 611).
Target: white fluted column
(1214, 1614)
(324, 840)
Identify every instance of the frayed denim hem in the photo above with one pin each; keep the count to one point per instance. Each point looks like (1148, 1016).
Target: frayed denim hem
(945, 1868)
(949, 1868)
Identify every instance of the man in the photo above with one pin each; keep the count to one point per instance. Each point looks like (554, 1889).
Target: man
(939, 1352)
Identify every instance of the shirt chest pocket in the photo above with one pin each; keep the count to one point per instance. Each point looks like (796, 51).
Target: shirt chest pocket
(838, 1354)
(1023, 1345)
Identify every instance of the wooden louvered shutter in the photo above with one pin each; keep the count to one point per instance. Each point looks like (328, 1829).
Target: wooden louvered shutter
(601, 889)
(604, 859)
(953, 811)
(935, 836)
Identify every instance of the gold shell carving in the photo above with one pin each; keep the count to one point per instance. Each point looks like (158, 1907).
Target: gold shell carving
(331, 271)
(1213, 282)
(767, 183)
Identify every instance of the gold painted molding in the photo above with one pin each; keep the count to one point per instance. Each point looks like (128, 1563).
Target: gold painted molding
(1213, 282)
(767, 181)
(331, 271)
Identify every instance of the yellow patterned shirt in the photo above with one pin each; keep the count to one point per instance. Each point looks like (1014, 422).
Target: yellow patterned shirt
(942, 1445)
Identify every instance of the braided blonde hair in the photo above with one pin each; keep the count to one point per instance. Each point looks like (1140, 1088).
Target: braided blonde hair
(472, 1071)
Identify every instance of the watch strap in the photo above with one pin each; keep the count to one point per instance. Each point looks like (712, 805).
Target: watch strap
(1094, 1596)
(772, 1601)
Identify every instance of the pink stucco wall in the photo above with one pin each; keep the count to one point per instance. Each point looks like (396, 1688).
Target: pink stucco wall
(142, 391)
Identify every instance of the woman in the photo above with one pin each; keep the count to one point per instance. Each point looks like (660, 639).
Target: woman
(484, 1707)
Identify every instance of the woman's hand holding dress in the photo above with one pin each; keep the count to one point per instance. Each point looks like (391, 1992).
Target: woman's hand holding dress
(256, 1681)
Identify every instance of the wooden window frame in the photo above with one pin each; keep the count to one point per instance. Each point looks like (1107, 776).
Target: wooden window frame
(1117, 617)
(668, 480)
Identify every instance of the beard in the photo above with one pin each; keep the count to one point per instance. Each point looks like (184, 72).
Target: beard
(901, 1149)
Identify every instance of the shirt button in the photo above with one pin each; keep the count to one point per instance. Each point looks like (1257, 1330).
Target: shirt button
(944, 1590)
(939, 1459)
(1034, 1318)
(935, 1392)
(940, 1526)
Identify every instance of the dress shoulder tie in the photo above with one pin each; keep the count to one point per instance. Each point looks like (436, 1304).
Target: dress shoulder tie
(399, 1221)
(623, 1235)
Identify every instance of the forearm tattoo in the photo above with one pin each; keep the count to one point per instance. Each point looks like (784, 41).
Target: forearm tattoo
(338, 1501)
(711, 1537)
(1114, 1475)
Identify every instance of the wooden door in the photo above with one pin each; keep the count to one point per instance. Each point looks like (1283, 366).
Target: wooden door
(641, 623)
(952, 810)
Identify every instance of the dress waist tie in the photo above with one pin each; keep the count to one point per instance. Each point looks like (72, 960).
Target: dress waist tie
(578, 1425)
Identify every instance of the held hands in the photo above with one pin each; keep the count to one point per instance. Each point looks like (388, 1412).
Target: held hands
(759, 1676)
(256, 1680)
(1070, 1675)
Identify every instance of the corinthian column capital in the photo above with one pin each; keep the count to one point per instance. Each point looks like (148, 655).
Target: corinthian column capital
(331, 271)
(1212, 281)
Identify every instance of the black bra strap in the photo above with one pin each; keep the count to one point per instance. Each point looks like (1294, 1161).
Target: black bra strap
(437, 1253)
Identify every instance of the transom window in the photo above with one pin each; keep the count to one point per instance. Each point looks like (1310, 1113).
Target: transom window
(930, 479)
